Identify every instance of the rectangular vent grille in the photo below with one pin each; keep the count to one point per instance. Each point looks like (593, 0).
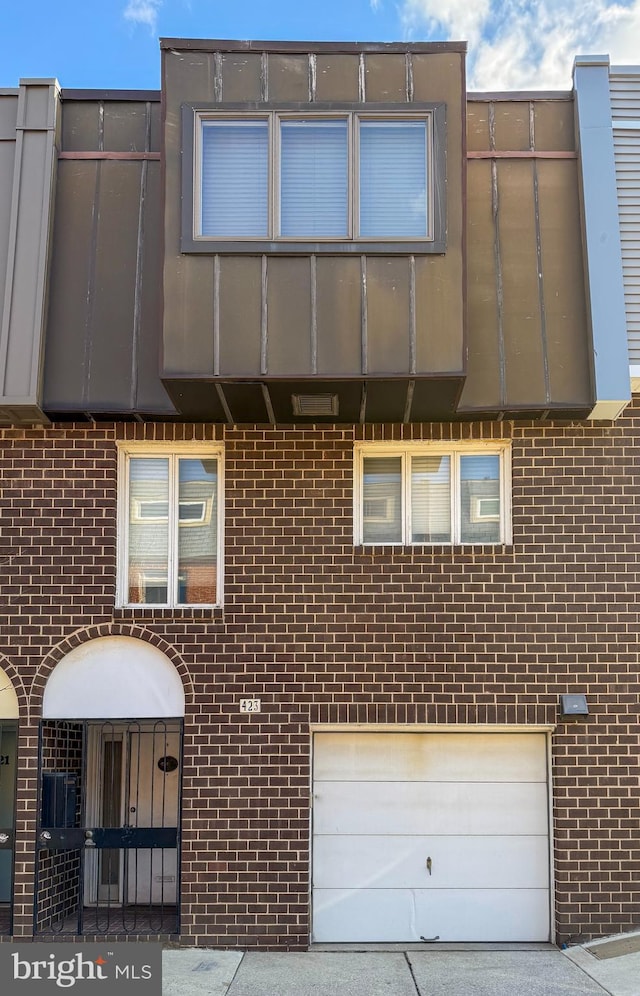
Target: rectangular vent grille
(315, 404)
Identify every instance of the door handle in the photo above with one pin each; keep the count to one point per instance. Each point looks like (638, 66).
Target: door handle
(429, 865)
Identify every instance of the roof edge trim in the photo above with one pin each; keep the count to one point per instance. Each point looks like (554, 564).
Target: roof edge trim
(302, 47)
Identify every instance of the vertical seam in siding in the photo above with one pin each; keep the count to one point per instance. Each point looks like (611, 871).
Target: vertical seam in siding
(88, 325)
(312, 77)
(101, 126)
(264, 76)
(543, 314)
(137, 307)
(216, 314)
(363, 327)
(412, 315)
(409, 75)
(264, 330)
(314, 316)
(495, 210)
(217, 77)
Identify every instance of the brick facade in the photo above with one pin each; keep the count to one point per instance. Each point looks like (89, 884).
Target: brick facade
(321, 631)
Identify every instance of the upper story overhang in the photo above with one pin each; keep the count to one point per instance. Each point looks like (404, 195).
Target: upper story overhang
(472, 304)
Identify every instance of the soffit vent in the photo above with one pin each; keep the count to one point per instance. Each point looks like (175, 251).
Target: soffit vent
(315, 404)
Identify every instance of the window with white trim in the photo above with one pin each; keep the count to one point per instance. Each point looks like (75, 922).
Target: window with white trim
(169, 525)
(432, 493)
(321, 176)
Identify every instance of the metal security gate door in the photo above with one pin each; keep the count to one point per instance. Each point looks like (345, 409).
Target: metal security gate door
(108, 836)
(8, 756)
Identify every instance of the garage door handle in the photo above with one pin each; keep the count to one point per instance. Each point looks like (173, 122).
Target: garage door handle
(429, 865)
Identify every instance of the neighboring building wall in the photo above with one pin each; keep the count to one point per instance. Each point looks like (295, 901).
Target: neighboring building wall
(624, 84)
(321, 631)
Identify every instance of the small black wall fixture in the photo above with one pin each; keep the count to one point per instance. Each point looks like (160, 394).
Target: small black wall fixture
(573, 705)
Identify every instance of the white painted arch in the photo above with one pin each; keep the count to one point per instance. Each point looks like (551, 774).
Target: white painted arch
(114, 677)
(8, 697)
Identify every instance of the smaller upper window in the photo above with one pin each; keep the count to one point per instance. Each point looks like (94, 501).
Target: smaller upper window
(439, 493)
(326, 178)
(169, 525)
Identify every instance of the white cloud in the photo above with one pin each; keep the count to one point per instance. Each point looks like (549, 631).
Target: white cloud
(143, 12)
(524, 44)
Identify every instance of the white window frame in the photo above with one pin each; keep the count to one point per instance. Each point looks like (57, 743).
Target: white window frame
(499, 448)
(353, 118)
(174, 452)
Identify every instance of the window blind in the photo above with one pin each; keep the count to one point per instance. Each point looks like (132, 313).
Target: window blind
(235, 179)
(393, 179)
(431, 499)
(314, 179)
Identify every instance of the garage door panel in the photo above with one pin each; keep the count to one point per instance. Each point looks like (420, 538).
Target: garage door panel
(370, 915)
(457, 863)
(509, 757)
(476, 804)
(447, 808)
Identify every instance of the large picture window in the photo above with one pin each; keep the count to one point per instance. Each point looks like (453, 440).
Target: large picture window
(432, 494)
(323, 177)
(169, 526)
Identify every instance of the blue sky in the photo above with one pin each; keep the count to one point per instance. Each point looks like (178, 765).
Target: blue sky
(513, 44)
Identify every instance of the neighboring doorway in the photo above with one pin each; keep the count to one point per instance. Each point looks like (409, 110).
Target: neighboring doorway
(108, 832)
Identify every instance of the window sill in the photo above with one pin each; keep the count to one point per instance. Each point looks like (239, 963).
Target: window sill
(306, 247)
(434, 549)
(153, 613)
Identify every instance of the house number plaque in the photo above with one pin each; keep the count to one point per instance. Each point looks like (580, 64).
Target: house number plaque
(250, 705)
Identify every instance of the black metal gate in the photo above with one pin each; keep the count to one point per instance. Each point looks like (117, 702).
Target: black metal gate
(8, 760)
(108, 832)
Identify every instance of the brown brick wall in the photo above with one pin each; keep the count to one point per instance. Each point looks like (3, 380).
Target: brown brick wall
(320, 631)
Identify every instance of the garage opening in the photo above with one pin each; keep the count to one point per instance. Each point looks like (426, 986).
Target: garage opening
(418, 836)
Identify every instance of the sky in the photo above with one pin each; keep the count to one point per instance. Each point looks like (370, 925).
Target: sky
(513, 44)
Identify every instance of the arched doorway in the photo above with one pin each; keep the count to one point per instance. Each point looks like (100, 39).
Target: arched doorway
(8, 761)
(110, 772)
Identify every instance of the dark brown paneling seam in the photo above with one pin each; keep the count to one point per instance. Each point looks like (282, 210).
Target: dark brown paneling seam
(264, 327)
(543, 316)
(136, 293)
(530, 154)
(216, 315)
(88, 323)
(126, 156)
(363, 262)
(314, 315)
(495, 209)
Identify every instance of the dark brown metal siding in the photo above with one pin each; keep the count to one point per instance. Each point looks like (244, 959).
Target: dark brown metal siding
(527, 333)
(103, 333)
(330, 315)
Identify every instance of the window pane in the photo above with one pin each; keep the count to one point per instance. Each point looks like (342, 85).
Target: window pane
(393, 179)
(480, 498)
(235, 171)
(382, 500)
(431, 499)
(313, 178)
(148, 533)
(197, 533)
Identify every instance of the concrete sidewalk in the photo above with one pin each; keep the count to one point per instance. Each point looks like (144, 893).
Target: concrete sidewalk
(480, 970)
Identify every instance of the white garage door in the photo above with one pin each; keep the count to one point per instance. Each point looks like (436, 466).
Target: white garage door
(424, 835)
